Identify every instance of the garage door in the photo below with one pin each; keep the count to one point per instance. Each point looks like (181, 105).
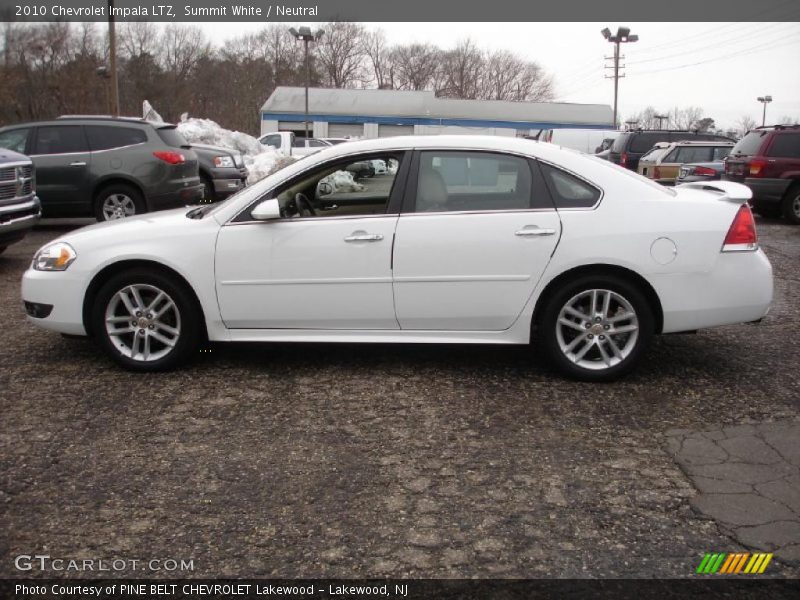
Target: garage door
(293, 125)
(345, 130)
(392, 130)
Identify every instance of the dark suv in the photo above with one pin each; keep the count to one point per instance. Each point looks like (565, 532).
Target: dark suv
(629, 146)
(767, 160)
(105, 167)
(222, 171)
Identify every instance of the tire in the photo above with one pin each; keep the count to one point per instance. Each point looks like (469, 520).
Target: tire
(118, 201)
(587, 353)
(209, 194)
(179, 324)
(791, 204)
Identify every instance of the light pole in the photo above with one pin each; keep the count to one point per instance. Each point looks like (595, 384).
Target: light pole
(622, 36)
(306, 35)
(661, 119)
(764, 100)
(112, 60)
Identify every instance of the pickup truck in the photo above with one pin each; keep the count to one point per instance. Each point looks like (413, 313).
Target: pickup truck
(20, 209)
(222, 171)
(288, 144)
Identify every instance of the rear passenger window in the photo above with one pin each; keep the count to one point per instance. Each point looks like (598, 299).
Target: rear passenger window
(472, 181)
(785, 145)
(102, 137)
(568, 191)
(642, 142)
(60, 139)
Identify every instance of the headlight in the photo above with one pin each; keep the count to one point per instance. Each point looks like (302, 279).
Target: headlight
(54, 257)
(223, 161)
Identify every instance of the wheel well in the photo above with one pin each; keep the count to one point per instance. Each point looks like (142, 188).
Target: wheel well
(603, 269)
(118, 267)
(115, 181)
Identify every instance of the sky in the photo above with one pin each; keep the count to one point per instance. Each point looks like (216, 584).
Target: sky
(720, 67)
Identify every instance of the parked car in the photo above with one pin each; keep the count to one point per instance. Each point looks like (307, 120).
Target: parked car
(476, 239)
(333, 141)
(288, 144)
(706, 171)
(767, 160)
(105, 167)
(19, 206)
(663, 162)
(582, 140)
(631, 145)
(222, 171)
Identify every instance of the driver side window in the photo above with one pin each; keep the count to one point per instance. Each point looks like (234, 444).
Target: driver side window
(343, 189)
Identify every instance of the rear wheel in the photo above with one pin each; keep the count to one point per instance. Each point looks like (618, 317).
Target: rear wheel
(791, 204)
(146, 321)
(118, 202)
(596, 328)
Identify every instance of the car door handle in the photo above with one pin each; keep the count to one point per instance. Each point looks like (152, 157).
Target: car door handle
(533, 230)
(77, 163)
(364, 237)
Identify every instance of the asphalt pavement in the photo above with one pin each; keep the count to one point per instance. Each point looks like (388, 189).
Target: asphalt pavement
(325, 460)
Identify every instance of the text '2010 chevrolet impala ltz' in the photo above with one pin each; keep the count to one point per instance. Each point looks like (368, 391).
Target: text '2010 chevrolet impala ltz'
(456, 239)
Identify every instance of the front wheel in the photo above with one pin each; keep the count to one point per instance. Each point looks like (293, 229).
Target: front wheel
(146, 321)
(596, 328)
(791, 204)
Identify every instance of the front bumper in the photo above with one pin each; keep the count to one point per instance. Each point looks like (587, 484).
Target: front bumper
(17, 219)
(191, 194)
(63, 291)
(226, 187)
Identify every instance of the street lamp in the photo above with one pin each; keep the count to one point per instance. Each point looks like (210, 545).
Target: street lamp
(764, 100)
(661, 119)
(622, 36)
(306, 35)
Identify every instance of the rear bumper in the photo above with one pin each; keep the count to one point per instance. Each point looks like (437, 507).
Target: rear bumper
(16, 220)
(766, 191)
(738, 290)
(191, 194)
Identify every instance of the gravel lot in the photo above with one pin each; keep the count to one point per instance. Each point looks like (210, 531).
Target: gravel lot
(352, 461)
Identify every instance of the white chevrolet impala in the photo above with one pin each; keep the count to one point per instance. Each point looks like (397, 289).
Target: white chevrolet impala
(461, 239)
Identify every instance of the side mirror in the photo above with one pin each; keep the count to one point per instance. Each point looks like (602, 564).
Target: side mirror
(267, 210)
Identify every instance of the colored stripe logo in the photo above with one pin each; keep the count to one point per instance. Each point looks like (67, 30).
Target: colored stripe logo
(723, 563)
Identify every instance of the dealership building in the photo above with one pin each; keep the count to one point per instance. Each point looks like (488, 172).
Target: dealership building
(384, 113)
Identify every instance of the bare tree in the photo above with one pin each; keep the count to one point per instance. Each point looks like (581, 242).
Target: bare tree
(745, 123)
(787, 120)
(461, 71)
(377, 51)
(182, 46)
(684, 118)
(341, 54)
(137, 38)
(414, 66)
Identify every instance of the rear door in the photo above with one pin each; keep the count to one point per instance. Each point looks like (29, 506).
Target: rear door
(62, 159)
(476, 233)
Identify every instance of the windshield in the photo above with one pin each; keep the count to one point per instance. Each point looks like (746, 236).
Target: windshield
(654, 154)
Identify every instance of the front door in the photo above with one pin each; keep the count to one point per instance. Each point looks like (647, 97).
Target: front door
(476, 239)
(326, 264)
(62, 160)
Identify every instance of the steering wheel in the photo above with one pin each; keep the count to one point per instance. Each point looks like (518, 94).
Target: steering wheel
(304, 205)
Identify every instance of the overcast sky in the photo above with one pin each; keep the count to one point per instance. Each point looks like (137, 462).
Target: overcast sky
(720, 67)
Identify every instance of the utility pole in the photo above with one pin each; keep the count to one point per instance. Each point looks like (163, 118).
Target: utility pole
(306, 35)
(112, 59)
(622, 36)
(661, 120)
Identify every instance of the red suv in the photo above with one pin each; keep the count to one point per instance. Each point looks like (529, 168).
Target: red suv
(767, 160)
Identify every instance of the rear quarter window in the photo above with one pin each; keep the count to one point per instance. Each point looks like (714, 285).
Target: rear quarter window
(785, 145)
(567, 190)
(620, 143)
(171, 137)
(15, 139)
(750, 144)
(104, 137)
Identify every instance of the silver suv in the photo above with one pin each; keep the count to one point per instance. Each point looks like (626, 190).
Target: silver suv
(19, 206)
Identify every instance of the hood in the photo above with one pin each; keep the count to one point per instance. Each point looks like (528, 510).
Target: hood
(10, 156)
(136, 227)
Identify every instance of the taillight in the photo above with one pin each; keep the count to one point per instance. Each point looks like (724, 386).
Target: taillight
(742, 234)
(706, 171)
(623, 159)
(173, 158)
(757, 167)
(656, 173)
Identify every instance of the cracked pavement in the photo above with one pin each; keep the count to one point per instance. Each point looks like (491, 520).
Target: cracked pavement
(324, 460)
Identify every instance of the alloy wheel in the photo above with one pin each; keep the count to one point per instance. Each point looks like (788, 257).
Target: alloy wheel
(143, 322)
(597, 329)
(118, 206)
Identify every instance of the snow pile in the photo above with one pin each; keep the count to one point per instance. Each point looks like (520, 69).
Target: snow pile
(342, 182)
(206, 131)
(266, 163)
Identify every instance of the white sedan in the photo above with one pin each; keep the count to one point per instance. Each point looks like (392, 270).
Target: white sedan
(485, 240)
